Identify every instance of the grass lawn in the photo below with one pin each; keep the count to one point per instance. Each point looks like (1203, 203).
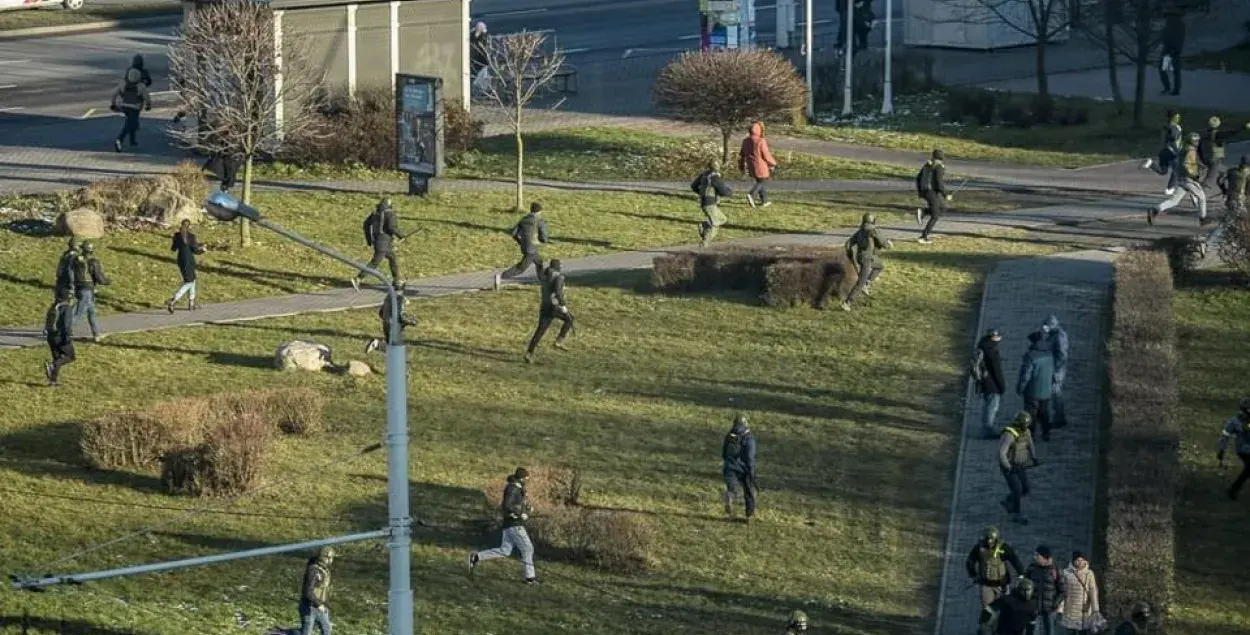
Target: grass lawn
(89, 13)
(855, 414)
(1213, 326)
(465, 232)
(1235, 59)
(605, 154)
(918, 126)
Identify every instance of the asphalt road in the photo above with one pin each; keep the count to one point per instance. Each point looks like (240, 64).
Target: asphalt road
(74, 76)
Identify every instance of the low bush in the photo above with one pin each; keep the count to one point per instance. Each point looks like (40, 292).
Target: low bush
(138, 439)
(1142, 460)
(360, 132)
(229, 462)
(295, 410)
(780, 276)
(611, 540)
(1235, 248)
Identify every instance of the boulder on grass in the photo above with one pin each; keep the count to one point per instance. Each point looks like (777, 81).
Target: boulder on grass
(170, 207)
(357, 368)
(83, 223)
(299, 355)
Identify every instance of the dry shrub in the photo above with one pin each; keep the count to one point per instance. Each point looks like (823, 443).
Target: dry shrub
(1142, 449)
(229, 462)
(295, 410)
(780, 275)
(138, 201)
(461, 132)
(138, 439)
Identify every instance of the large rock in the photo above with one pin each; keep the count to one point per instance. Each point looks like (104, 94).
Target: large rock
(357, 368)
(167, 206)
(83, 223)
(300, 355)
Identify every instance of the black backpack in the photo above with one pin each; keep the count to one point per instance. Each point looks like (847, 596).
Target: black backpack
(924, 179)
(734, 443)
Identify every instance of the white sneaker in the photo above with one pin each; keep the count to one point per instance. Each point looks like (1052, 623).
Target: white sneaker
(371, 346)
(751, 200)
(1169, 191)
(498, 280)
(1147, 164)
(766, 204)
(919, 216)
(925, 241)
(845, 306)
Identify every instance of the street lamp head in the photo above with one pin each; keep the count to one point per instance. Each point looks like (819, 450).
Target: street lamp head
(224, 207)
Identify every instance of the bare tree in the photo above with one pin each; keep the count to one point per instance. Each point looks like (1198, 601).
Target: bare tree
(246, 90)
(1038, 20)
(521, 68)
(729, 88)
(1130, 29)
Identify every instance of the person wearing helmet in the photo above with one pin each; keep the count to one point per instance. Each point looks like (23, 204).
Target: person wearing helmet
(931, 186)
(384, 314)
(1057, 336)
(798, 623)
(711, 188)
(381, 231)
(66, 266)
(88, 274)
(552, 306)
(987, 565)
(315, 593)
(1015, 456)
(1237, 430)
(1189, 169)
(1011, 614)
(1138, 620)
(738, 454)
(516, 510)
(1235, 186)
(58, 328)
(1211, 149)
(861, 250)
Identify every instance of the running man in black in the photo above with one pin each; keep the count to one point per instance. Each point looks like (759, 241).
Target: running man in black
(553, 307)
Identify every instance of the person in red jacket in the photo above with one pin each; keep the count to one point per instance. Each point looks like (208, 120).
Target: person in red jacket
(755, 159)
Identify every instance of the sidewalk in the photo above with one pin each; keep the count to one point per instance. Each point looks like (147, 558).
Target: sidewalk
(1018, 296)
(1115, 222)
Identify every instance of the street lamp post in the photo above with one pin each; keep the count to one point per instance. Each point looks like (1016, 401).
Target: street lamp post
(850, 53)
(807, 51)
(887, 99)
(399, 612)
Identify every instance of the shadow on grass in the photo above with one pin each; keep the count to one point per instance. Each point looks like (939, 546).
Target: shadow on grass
(589, 242)
(734, 223)
(294, 331)
(43, 286)
(463, 349)
(40, 625)
(52, 451)
(225, 358)
(443, 515)
(265, 277)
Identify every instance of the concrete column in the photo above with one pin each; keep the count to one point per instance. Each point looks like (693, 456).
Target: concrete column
(277, 77)
(466, 83)
(351, 50)
(394, 41)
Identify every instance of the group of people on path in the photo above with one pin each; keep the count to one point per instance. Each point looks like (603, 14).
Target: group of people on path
(78, 273)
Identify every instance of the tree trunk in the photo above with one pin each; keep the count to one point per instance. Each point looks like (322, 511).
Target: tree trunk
(724, 146)
(520, 170)
(245, 227)
(1143, 60)
(1043, 83)
(1109, 35)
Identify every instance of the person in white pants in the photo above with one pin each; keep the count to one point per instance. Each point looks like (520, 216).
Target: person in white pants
(515, 510)
(1187, 184)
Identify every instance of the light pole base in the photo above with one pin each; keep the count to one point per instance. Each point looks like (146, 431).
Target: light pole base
(418, 184)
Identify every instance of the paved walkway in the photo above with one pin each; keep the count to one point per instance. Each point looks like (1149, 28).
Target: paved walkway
(1018, 295)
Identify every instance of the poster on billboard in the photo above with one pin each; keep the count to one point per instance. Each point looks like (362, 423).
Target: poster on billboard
(418, 133)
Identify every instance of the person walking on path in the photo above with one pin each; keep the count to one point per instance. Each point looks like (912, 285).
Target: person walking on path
(130, 98)
(1037, 380)
(516, 510)
(710, 187)
(1237, 431)
(88, 274)
(988, 563)
(1058, 338)
(738, 455)
(1138, 621)
(1080, 613)
(315, 593)
(1015, 456)
(931, 186)
(1211, 150)
(861, 249)
(384, 313)
(552, 307)
(58, 325)
(1187, 170)
(797, 624)
(1170, 153)
(187, 247)
(756, 161)
(1173, 40)
(381, 230)
(1011, 614)
(529, 233)
(1047, 590)
(987, 376)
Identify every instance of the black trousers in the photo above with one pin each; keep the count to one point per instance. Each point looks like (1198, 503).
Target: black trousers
(527, 258)
(736, 482)
(1017, 487)
(1235, 488)
(229, 169)
(387, 253)
(1214, 172)
(1171, 84)
(130, 126)
(1039, 409)
(62, 354)
(869, 269)
(545, 317)
(935, 204)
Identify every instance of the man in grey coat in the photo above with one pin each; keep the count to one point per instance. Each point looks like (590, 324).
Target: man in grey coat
(1058, 337)
(1036, 383)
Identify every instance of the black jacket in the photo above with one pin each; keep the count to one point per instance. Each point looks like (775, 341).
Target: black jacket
(710, 187)
(741, 461)
(59, 324)
(187, 249)
(381, 228)
(978, 557)
(994, 383)
(144, 76)
(1015, 616)
(514, 504)
(477, 52)
(1211, 144)
(1173, 35)
(88, 274)
(530, 231)
(1047, 586)
(66, 272)
(552, 283)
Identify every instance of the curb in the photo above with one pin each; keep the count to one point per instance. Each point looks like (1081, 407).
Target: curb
(170, 18)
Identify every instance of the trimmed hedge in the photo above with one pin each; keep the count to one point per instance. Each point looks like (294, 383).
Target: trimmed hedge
(781, 276)
(1142, 468)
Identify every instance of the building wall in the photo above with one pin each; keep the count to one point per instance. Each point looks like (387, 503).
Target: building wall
(969, 24)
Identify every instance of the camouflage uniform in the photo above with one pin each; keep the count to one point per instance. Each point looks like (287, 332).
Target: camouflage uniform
(315, 592)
